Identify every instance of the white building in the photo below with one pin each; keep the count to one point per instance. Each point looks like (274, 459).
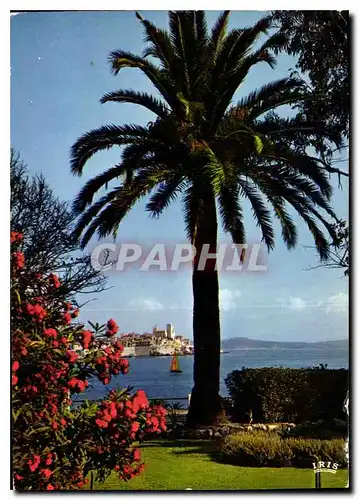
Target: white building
(159, 334)
(170, 331)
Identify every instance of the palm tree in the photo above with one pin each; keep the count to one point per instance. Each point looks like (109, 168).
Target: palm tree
(210, 153)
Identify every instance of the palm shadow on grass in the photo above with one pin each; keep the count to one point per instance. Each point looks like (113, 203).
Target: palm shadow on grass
(190, 446)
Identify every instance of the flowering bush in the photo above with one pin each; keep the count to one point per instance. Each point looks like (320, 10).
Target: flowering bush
(56, 445)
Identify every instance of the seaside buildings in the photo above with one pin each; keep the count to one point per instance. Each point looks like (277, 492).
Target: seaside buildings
(158, 343)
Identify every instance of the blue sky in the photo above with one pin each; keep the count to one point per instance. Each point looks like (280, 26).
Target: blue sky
(59, 71)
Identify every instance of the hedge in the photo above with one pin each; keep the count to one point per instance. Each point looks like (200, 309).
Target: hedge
(287, 394)
(270, 450)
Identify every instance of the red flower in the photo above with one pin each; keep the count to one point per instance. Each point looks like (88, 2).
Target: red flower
(111, 324)
(54, 425)
(14, 236)
(14, 380)
(107, 416)
(75, 313)
(67, 318)
(30, 309)
(55, 344)
(18, 477)
(46, 473)
(135, 426)
(128, 413)
(72, 356)
(50, 487)
(19, 259)
(82, 384)
(112, 327)
(101, 423)
(54, 281)
(137, 455)
(48, 460)
(86, 338)
(72, 383)
(63, 422)
(36, 310)
(34, 464)
(140, 401)
(50, 332)
(118, 346)
(15, 366)
(113, 411)
(75, 383)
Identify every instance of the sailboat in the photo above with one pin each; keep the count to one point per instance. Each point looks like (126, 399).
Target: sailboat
(175, 367)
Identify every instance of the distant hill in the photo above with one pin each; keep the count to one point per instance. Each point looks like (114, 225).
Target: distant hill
(246, 343)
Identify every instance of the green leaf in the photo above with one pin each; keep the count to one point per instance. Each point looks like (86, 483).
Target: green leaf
(258, 144)
(38, 429)
(18, 297)
(184, 101)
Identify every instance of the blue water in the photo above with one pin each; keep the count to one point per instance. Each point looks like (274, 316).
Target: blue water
(152, 373)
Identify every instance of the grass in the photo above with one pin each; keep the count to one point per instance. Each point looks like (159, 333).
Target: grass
(177, 465)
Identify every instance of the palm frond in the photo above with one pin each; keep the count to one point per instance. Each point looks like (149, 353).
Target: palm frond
(177, 39)
(304, 185)
(260, 211)
(305, 166)
(192, 208)
(304, 207)
(140, 98)
(165, 194)
(272, 95)
(321, 243)
(126, 196)
(89, 190)
(289, 230)
(201, 27)
(160, 43)
(298, 129)
(120, 59)
(88, 216)
(231, 213)
(275, 42)
(229, 85)
(102, 138)
(210, 166)
(219, 32)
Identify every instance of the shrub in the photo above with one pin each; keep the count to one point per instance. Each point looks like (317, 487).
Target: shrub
(271, 450)
(287, 394)
(255, 449)
(328, 429)
(55, 445)
(307, 451)
(173, 416)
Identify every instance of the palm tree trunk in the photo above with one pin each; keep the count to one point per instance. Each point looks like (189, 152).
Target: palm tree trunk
(205, 405)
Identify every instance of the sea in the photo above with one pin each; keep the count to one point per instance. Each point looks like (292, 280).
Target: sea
(152, 374)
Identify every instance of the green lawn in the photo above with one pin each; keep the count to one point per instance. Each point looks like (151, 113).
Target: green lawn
(177, 465)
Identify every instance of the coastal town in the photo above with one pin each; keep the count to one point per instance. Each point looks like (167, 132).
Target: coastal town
(158, 343)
